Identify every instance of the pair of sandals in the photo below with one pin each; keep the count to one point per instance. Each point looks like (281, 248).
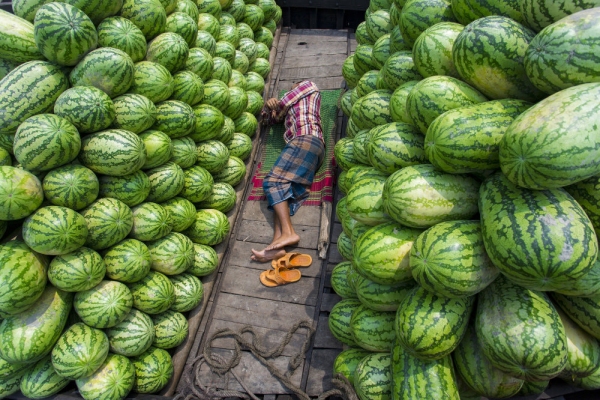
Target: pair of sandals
(283, 271)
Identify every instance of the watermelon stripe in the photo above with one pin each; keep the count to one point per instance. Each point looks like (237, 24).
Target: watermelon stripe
(17, 43)
(104, 305)
(55, 230)
(133, 335)
(79, 351)
(153, 294)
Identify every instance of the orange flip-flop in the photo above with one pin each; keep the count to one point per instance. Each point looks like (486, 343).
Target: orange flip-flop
(293, 260)
(279, 276)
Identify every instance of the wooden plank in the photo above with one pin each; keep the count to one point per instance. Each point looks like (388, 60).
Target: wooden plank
(320, 32)
(357, 5)
(245, 281)
(258, 211)
(320, 60)
(318, 37)
(324, 339)
(295, 73)
(270, 338)
(334, 255)
(309, 49)
(328, 301)
(320, 371)
(262, 232)
(255, 376)
(240, 257)
(334, 82)
(337, 230)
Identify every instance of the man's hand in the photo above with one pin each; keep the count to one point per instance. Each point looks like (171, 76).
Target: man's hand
(273, 103)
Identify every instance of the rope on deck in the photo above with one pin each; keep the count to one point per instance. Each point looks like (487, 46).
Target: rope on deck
(218, 365)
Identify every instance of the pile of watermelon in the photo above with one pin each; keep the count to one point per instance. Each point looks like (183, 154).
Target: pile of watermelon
(471, 174)
(124, 128)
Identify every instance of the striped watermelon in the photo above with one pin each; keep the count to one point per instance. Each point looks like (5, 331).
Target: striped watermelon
(397, 42)
(20, 193)
(171, 329)
(166, 182)
(373, 330)
(212, 7)
(350, 74)
(172, 254)
(131, 189)
(197, 184)
(112, 380)
(225, 50)
(42, 380)
(566, 139)
(587, 194)
(346, 362)
(115, 152)
(175, 118)
(363, 59)
(478, 373)
(357, 231)
(216, 92)
(381, 254)
(378, 24)
(372, 377)
(344, 154)
(28, 90)
(467, 11)
(583, 350)
(55, 230)
(226, 18)
(229, 33)
(339, 281)
(133, 112)
(530, 344)
(378, 297)
(79, 351)
(346, 102)
(37, 329)
(238, 102)
(128, 261)
(226, 134)
(418, 15)
(466, 139)
(255, 82)
(150, 222)
(5, 158)
(394, 15)
(269, 8)
(510, 250)
(393, 146)
(108, 221)
(449, 259)
(148, 15)
(533, 388)
(238, 80)
(92, 71)
(582, 310)
(209, 23)
(255, 102)
(245, 30)
(73, 186)
(399, 68)
(153, 370)
(364, 201)
(133, 335)
(421, 196)
(253, 16)
(249, 48)
(264, 35)
(233, 173)
(381, 84)
(205, 260)
(86, 107)
(212, 156)
(503, 61)
(339, 320)
(435, 95)
(153, 294)
(237, 9)
(17, 41)
(25, 279)
(169, 50)
(209, 123)
(153, 81)
(187, 87)
(158, 148)
(79, 270)
(432, 51)
(182, 213)
(122, 34)
(222, 198)
(63, 33)
(414, 378)
(184, 152)
(381, 50)
(210, 228)
(188, 292)
(246, 124)
(46, 141)
(169, 5)
(588, 285)
(184, 25)
(104, 305)
(429, 326)
(362, 36)
(367, 83)
(538, 14)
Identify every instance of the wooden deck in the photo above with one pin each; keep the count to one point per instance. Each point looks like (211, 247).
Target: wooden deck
(238, 298)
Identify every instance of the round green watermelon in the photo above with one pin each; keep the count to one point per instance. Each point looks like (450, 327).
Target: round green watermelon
(174, 118)
(240, 146)
(197, 184)
(209, 23)
(210, 228)
(169, 50)
(122, 34)
(131, 189)
(150, 222)
(182, 24)
(188, 292)
(86, 107)
(184, 152)
(182, 212)
(79, 351)
(170, 329)
(153, 369)
(158, 148)
(232, 173)
(187, 87)
(152, 294)
(79, 270)
(55, 230)
(222, 70)
(200, 62)
(166, 181)
(134, 113)
(114, 379)
(128, 261)
(172, 254)
(222, 198)
(212, 155)
(104, 305)
(205, 260)
(115, 152)
(148, 15)
(108, 222)
(206, 41)
(153, 81)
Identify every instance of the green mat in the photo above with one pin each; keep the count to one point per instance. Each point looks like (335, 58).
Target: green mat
(322, 187)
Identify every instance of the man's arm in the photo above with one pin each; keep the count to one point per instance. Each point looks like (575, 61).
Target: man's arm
(273, 112)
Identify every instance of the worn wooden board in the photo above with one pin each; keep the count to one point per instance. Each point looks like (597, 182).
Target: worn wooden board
(337, 230)
(255, 376)
(319, 32)
(334, 60)
(262, 232)
(321, 371)
(245, 281)
(258, 211)
(294, 49)
(324, 339)
(240, 257)
(334, 255)
(329, 300)
(316, 37)
(297, 73)
(334, 82)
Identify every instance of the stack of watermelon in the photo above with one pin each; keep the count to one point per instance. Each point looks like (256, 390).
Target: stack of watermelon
(471, 169)
(124, 127)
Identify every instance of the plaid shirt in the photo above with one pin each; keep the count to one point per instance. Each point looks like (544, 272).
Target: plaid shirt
(301, 108)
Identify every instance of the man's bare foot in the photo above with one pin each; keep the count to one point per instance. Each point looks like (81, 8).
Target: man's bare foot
(282, 241)
(265, 255)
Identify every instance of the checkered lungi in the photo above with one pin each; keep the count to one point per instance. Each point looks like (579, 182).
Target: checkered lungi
(293, 172)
